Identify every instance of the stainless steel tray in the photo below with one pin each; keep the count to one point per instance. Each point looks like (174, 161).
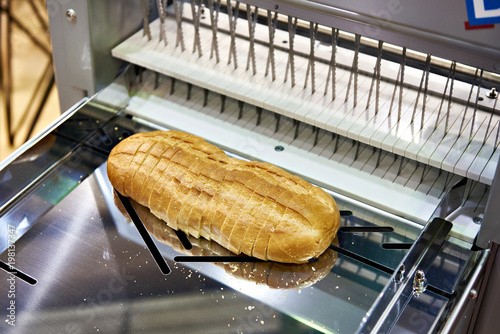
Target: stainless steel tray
(91, 271)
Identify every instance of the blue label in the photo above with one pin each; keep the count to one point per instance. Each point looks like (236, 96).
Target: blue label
(483, 11)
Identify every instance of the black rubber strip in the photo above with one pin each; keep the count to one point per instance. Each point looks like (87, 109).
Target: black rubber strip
(396, 245)
(216, 258)
(359, 229)
(17, 273)
(160, 261)
(362, 259)
(184, 239)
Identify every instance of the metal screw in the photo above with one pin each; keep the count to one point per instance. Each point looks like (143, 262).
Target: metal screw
(400, 275)
(473, 294)
(71, 15)
(493, 93)
(279, 148)
(419, 278)
(477, 220)
(276, 7)
(419, 283)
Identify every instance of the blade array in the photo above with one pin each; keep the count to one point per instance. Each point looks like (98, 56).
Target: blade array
(413, 112)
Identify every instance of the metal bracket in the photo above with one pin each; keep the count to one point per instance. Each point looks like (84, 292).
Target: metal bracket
(396, 295)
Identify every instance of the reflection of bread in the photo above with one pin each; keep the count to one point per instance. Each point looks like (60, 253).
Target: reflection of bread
(273, 274)
(39, 149)
(247, 207)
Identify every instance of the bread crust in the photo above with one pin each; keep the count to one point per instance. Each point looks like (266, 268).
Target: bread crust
(248, 207)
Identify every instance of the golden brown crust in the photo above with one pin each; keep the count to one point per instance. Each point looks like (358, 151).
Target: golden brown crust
(259, 219)
(276, 211)
(246, 206)
(245, 218)
(227, 197)
(136, 164)
(149, 164)
(119, 162)
(215, 175)
(242, 178)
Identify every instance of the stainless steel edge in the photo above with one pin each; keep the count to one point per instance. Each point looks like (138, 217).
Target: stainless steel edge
(489, 227)
(36, 138)
(456, 312)
(26, 146)
(452, 200)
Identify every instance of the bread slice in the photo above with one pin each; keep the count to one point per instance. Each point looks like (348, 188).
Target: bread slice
(154, 175)
(242, 177)
(162, 184)
(187, 204)
(174, 197)
(208, 188)
(226, 197)
(260, 218)
(246, 215)
(118, 163)
(198, 197)
(157, 181)
(261, 242)
(136, 164)
(188, 179)
(217, 174)
(255, 217)
(142, 174)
